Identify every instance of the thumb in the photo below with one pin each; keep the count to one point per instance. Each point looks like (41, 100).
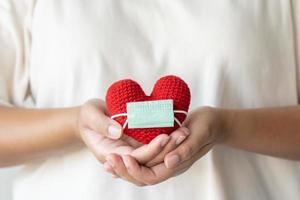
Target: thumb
(98, 121)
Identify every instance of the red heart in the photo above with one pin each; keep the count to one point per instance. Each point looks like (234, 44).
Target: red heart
(127, 90)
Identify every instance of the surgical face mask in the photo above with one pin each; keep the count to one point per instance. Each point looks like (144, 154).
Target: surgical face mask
(150, 114)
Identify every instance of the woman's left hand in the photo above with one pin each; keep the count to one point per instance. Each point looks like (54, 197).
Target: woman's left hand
(206, 127)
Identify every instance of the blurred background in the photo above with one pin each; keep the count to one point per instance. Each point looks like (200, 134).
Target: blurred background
(6, 179)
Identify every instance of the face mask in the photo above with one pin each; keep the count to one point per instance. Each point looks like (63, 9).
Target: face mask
(150, 114)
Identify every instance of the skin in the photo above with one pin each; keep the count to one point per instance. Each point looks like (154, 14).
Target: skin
(269, 131)
(38, 133)
(28, 134)
(35, 134)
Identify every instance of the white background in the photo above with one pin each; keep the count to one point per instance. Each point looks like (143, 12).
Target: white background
(6, 177)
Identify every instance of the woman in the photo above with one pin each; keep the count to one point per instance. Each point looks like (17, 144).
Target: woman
(240, 58)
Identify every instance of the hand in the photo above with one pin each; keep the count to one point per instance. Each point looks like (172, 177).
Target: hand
(206, 127)
(104, 136)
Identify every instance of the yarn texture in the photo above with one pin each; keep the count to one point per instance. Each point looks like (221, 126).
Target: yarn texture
(127, 90)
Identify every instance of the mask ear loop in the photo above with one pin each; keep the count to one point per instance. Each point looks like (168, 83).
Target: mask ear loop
(121, 115)
(126, 122)
(181, 112)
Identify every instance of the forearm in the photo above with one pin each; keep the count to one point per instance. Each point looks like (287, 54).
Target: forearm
(271, 131)
(26, 134)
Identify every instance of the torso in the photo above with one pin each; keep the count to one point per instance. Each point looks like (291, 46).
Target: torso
(232, 54)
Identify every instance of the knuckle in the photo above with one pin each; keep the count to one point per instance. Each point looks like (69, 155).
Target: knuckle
(186, 151)
(185, 130)
(179, 133)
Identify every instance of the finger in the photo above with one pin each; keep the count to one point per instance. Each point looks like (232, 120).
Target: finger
(148, 176)
(102, 146)
(149, 151)
(186, 150)
(160, 172)
(163, 173)
(132, 142)
(108, 168)
(119, 167)
(138, 172)
(177, 137)
(182, 153)
(186, 164)
(97, 120)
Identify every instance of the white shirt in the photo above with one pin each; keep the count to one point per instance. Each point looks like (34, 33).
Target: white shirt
(238, 54)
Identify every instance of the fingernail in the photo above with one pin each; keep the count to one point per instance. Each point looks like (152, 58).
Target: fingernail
(172, 161)
(164, 142)
(180, 139)
(114, 131)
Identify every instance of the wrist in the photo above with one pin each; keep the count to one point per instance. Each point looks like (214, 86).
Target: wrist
(74, 118)
(226, 119)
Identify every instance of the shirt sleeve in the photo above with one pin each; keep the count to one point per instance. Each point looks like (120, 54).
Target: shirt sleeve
(296, 24)
(15, 20)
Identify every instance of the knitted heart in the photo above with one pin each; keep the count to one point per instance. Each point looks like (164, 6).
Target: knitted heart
(127, 90)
